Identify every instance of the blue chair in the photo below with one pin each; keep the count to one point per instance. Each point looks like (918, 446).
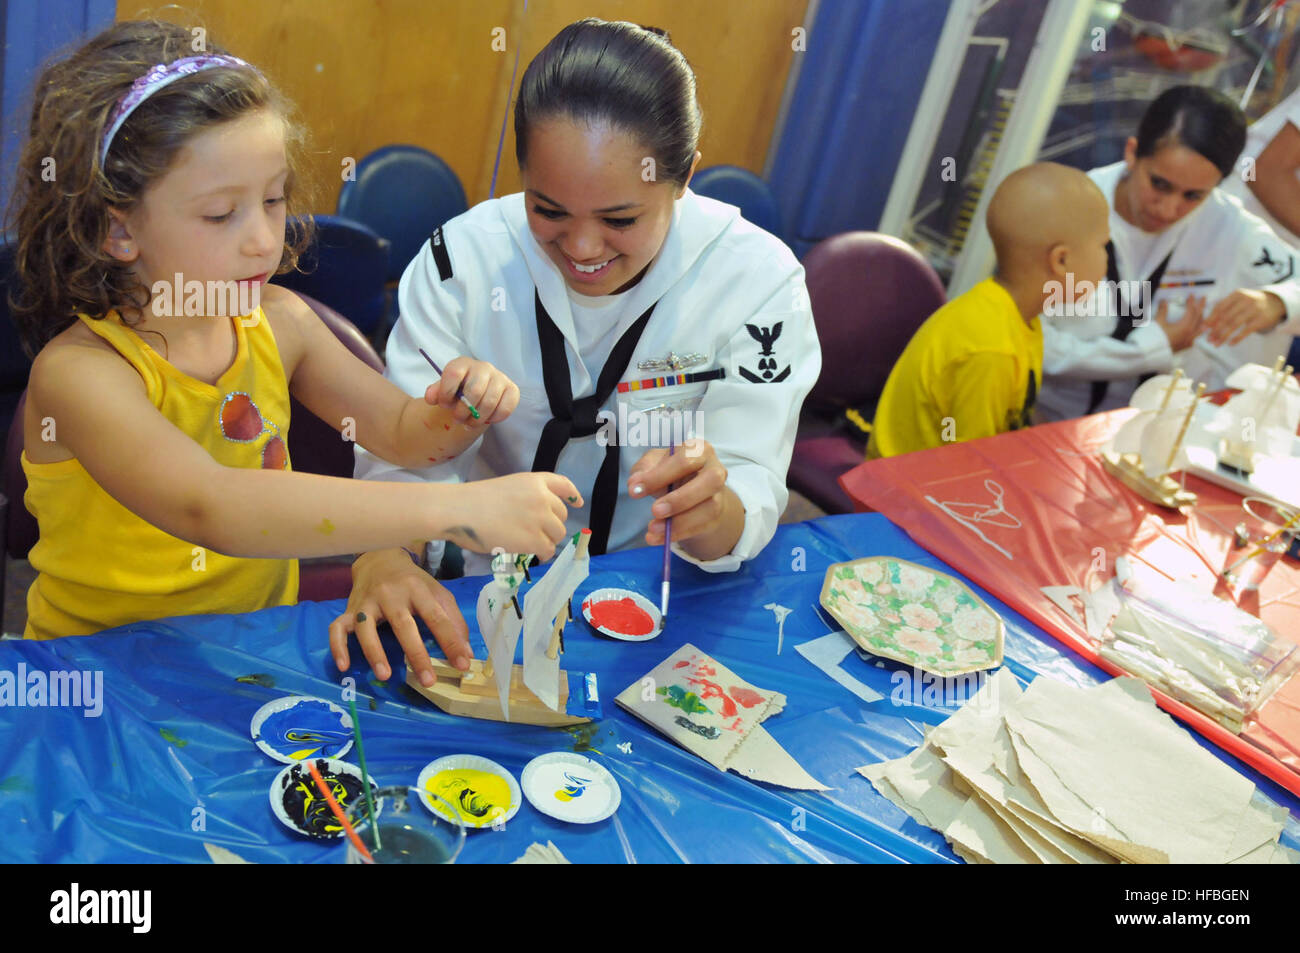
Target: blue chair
(346, 268)
(403, 193)
(743, 189)
(15, 365)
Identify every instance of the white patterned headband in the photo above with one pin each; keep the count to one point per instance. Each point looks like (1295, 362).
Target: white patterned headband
(159, 76)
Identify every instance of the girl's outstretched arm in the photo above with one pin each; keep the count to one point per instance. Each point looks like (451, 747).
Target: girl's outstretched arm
(339, 388)
(104, 419)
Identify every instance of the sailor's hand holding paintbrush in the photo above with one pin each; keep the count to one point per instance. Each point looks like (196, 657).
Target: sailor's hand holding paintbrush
(690, 486)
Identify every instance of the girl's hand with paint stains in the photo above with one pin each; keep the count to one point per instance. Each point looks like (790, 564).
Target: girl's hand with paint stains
(707, 515)
(493, 395)
(387, 586)
(520, 513)
(524, 512)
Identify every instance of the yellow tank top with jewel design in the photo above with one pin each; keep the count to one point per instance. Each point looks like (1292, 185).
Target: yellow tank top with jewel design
(99, 565)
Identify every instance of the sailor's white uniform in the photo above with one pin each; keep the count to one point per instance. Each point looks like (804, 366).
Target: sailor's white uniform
(1259, 135)
(1217, 249)
(724, 295)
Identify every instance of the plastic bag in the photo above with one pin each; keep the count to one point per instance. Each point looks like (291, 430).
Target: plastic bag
(1200, 649)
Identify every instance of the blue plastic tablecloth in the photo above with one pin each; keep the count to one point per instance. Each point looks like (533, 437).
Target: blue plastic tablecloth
(169, 764)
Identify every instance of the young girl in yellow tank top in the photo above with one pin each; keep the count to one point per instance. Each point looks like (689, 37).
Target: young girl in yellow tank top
(157, 414)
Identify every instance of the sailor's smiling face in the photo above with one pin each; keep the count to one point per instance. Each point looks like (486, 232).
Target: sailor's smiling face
(592, 205)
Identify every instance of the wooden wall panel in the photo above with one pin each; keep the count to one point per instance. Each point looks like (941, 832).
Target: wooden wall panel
(367, 73)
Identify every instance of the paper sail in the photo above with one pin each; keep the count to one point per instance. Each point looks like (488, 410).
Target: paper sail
(1128, 439)
(500, 626)
(1269, 400)
(549, 597)
(711, 712)
(1154, 393)
(1157, 443)
(1151, 436)
(1261, 379)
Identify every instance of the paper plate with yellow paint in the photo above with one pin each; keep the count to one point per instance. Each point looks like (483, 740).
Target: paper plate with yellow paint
(483, 793)
(298, 804)
(569, 787)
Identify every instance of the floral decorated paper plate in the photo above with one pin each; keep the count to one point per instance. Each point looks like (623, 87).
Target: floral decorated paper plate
(899, 610)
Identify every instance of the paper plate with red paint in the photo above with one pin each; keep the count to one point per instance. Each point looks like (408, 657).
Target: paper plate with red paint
(622, 614)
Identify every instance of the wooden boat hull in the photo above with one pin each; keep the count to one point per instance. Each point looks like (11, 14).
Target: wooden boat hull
(1163, 492)
(473, 694)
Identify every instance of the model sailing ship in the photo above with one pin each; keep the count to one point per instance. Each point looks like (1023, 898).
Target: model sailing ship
(1262, 419)
(1150, 446)
(536, 692)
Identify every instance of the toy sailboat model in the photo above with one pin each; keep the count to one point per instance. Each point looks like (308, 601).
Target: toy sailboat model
(1262, 418)
(1149, 447)
(537, 692)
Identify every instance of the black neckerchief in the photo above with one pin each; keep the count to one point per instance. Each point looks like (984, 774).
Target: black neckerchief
(1125, 311)
(577, 418)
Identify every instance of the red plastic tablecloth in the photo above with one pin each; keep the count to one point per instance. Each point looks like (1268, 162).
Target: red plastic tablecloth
(1040, 510)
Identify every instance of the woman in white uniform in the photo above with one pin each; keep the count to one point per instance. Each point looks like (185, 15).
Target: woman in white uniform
(1268, 174)
(1222, 288)
(585, 313)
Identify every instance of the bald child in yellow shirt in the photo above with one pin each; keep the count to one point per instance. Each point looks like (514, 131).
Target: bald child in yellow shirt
(973, 369)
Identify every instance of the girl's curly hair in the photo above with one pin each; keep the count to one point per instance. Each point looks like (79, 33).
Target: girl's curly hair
(62, 195)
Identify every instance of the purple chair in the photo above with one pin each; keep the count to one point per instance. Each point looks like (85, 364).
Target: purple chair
(870, 292)
(314, 447)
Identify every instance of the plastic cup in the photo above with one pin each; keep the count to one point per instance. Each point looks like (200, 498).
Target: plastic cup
(1262, 528)
(408, 833)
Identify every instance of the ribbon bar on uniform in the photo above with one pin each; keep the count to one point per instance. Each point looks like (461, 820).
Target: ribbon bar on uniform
(716, 374)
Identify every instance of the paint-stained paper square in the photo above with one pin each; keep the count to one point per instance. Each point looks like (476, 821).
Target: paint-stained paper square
(699, 703)
(712, 712)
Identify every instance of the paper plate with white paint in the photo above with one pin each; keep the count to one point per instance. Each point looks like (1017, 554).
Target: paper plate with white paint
(569, 787)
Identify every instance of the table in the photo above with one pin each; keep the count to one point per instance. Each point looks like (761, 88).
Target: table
(168, 764)
(1034, 508)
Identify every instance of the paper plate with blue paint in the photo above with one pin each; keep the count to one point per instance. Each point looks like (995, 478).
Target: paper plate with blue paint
(483, 793)
(569, 787)
(299, 805)
(298, 727)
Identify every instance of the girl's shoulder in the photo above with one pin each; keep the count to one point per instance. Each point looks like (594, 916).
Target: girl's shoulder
(78, 353)
(77, 359)
(72, 346)
(283, 307)
(74, 367)
(286, 314)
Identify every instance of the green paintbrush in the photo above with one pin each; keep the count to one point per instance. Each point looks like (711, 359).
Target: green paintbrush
(365, 775)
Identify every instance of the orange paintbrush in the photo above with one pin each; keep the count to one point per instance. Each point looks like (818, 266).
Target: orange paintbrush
(338, 812)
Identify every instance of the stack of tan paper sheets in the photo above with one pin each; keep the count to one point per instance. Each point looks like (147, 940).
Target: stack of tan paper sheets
(1062, 774)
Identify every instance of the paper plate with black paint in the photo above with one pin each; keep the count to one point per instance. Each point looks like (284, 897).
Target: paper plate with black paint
(299, 804)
